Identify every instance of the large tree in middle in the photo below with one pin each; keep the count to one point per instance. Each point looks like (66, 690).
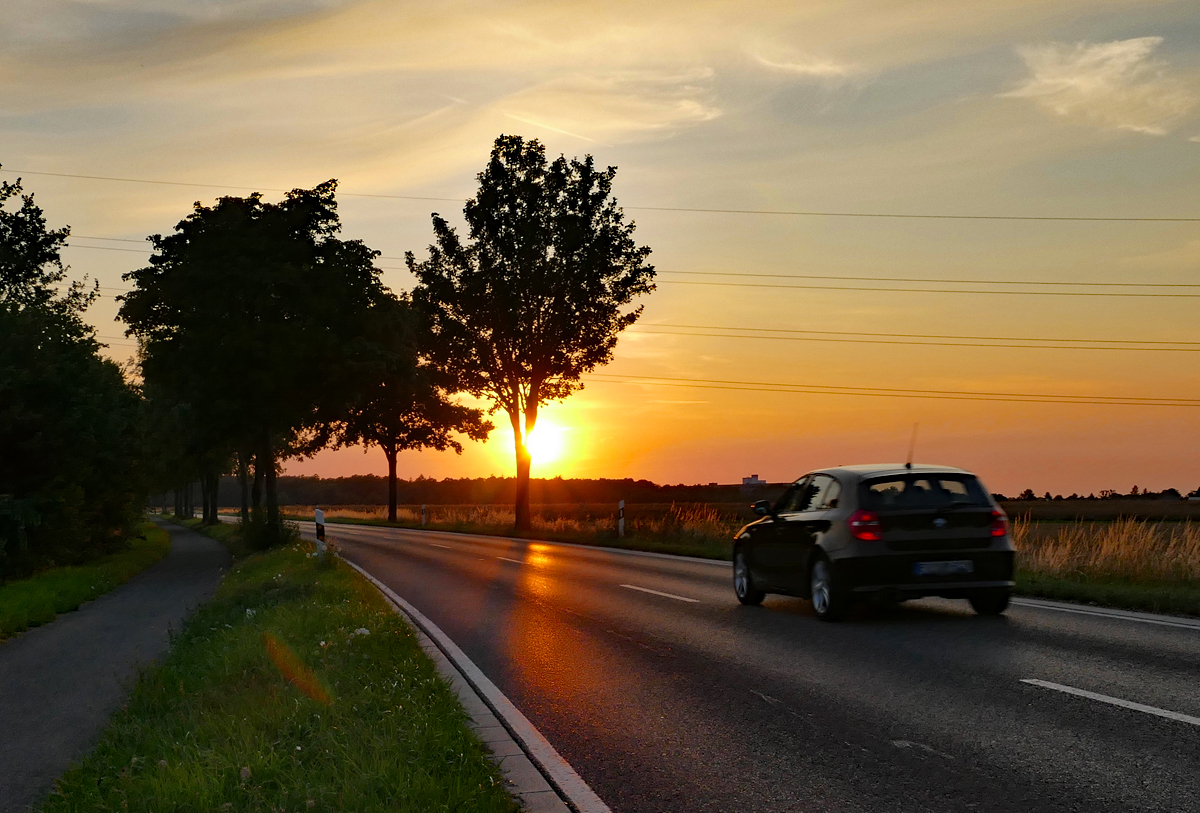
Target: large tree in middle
(537, 296)
(251, 314)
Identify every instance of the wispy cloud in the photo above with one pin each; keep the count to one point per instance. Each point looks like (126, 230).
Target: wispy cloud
(810, 67)
(1112, 84)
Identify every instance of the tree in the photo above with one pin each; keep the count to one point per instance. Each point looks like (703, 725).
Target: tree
(536, 297)
(401, 402)
(251, 313)
(69, 473)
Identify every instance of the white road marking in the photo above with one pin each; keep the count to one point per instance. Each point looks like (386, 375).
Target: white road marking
(514, 561)
(660, 593)
(1115, 701)
(1119, 615)
(436, 545)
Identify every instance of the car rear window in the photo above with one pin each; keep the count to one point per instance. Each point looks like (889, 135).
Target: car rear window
(913, 491)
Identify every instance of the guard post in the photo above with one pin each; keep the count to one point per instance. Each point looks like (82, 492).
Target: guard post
(621, 519)
(320, 519)
(423, 507)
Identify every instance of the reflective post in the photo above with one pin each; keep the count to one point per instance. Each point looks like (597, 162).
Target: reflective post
(423, 515)
(621, 519)
(320, 520)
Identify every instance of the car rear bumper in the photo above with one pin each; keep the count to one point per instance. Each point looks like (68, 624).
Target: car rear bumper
(895, 574)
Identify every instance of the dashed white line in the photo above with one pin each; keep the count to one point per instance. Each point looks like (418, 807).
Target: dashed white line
(436, 545)
(1114, 701)
(661, 593)
(514, 561)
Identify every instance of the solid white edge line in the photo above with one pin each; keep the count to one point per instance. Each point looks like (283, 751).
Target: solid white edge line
(1102, 612)
(661, 593)
(560, 773)
(506, 559)
(1114, 701)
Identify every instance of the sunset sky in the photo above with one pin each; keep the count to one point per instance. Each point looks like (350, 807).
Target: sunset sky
(1059, 109)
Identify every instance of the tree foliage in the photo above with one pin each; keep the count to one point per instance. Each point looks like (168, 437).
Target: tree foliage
(537, 294)
(402, 401)
(251, 314)
(69, 476)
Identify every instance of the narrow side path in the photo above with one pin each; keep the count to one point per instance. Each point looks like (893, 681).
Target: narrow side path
(60, 682)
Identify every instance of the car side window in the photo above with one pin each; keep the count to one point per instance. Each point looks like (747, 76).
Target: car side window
(795, 498)
(829, 495)
(824, 488)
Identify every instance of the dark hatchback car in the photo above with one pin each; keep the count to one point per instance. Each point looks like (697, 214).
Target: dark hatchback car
(883, 532)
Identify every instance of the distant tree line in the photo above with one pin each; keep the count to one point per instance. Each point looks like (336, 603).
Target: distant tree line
(1135, 493)
(369, 489)
(264, 335)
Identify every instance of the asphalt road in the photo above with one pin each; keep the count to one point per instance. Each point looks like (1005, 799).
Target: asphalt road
(690, 702)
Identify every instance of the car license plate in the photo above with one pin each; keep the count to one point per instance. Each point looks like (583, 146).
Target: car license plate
(952, 568)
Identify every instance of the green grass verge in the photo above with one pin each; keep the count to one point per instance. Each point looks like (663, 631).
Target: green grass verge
(679, 544)
(1183, 599)
(228, 534)
(364, 723)
(37, 600)
(1177, 598)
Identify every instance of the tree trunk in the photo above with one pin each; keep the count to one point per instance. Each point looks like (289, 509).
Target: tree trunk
(256, 490)
(524, 462)
(214, 490)
(178, 501)
(267, 456)
(244, 483)
(390, 453)
(204, 498)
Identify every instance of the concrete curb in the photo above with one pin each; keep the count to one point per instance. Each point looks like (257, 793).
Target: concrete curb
(537, 774)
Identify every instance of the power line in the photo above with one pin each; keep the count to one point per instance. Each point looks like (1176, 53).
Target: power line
(776, 212)
(952, 281)
(910, 343)
(923, 335)
(921, 290)
(896, 392)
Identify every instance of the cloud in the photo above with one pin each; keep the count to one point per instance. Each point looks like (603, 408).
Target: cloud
(810, 67)
(1112, 84)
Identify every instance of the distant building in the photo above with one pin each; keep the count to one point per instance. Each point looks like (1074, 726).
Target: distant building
(752, 482)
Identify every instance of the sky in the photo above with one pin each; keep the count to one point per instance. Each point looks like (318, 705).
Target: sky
(1025, 109)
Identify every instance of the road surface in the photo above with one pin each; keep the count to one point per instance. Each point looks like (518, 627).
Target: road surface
(666, 695)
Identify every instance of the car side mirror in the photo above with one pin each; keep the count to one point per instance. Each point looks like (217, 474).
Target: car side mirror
(762, 508)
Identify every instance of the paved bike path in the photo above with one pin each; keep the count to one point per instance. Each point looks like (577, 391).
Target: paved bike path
(60, 682)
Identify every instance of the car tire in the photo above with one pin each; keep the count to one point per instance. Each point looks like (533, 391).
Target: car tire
(828, 599)
(743, 582)
(990, 602)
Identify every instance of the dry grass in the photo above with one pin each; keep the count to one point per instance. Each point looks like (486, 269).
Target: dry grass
(1125, 550)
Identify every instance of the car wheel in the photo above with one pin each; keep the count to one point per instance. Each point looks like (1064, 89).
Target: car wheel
(990, 602)
(743, 582)
(827, 599)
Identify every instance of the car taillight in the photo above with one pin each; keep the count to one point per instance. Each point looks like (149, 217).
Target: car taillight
(865, 525)
(999, 523)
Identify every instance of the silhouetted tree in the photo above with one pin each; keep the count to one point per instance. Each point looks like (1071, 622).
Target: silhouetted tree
(400, 400)
(69, 473)
(535, 298)
(251, 313)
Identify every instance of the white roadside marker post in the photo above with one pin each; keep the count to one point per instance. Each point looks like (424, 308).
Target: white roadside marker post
(319, 516)
(423, 506)
(621, 519)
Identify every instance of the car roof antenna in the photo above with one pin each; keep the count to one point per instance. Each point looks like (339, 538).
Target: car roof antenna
(912, 444)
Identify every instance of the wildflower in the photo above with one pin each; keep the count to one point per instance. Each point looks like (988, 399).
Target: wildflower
(249, 612)
(162, 763)
(245, 774)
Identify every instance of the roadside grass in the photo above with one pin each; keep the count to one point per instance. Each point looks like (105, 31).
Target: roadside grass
(685, 529)
(1127, 563)
(38, 599)
(228, 534)
(295, 688)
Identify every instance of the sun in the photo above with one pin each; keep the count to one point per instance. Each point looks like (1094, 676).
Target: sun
(546, 443)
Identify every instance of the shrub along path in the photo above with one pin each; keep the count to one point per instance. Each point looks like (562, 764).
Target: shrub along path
(60, 682)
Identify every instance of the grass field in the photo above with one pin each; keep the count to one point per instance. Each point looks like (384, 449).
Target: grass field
(38, 599)
(296, 688)
(1129, 563)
